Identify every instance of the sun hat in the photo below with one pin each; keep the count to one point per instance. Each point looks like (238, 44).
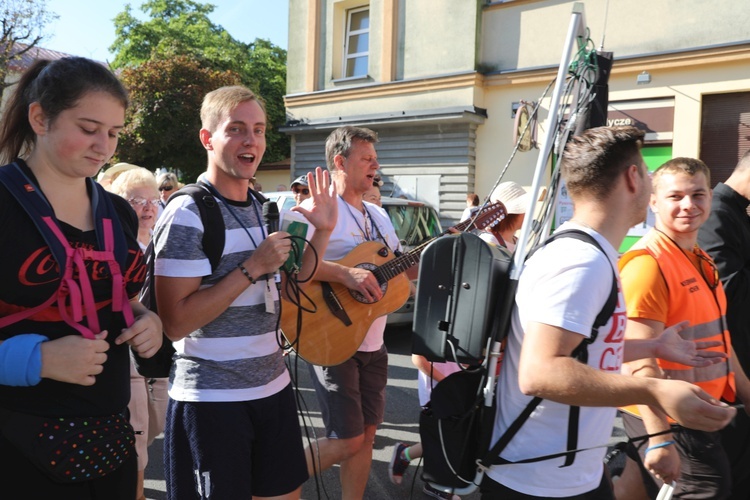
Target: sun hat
(112, 172)
(301, 180)
(514, 197)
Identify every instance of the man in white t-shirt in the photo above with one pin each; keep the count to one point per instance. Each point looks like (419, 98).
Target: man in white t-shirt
(562, 289)
(352, 394)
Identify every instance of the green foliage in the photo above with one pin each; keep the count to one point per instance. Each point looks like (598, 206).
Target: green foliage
(266, 75)
(164, 116)
(176, 27)
(180, 30)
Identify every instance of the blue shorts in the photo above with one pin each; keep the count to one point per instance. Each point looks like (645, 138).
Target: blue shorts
(231, 450)
(352, 394)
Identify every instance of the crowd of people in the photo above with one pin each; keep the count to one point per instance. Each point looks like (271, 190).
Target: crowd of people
(670, 356)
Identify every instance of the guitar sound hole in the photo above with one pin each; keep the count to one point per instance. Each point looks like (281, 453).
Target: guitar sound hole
(358, 296)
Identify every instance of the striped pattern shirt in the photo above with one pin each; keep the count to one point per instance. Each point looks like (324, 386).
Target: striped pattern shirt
(235, 357)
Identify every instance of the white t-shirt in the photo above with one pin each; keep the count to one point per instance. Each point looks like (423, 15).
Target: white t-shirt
(564, 284)
(354, 228)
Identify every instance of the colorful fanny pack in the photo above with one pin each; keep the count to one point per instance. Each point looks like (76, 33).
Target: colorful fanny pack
(71, 449)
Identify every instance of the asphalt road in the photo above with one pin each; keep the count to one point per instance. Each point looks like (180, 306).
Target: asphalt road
(401, 425)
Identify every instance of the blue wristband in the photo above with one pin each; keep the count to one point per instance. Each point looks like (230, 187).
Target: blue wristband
(21, 360)
(660, 445)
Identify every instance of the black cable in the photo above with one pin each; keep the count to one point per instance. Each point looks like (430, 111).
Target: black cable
(304, 412)
(414, 477)
(294, 294)
(293, 291)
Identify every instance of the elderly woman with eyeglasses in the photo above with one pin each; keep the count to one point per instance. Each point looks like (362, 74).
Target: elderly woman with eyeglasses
(139, 187)
(148, 396)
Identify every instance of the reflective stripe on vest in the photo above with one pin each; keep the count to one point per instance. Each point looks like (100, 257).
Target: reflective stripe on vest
(690, 298)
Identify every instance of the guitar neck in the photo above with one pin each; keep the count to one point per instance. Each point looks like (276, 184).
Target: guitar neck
(403, 262)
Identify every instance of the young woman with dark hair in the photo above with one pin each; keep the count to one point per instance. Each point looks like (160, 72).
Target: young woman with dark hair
(64, 356)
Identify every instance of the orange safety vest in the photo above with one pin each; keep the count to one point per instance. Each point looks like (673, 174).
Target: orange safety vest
(690, 298)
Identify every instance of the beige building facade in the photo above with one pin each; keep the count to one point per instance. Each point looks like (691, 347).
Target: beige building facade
(440, 80)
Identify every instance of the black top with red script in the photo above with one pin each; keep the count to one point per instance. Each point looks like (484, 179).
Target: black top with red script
(29, 275)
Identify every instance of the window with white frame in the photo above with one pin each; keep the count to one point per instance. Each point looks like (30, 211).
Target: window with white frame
(357, 46)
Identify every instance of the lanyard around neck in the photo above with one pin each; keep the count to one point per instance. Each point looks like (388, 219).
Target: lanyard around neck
(366, 215)
(364, 231)
(250, 196)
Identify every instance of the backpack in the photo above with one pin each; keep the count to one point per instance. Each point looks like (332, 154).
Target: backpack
(74, 297)
(204, 195)
(456, 426)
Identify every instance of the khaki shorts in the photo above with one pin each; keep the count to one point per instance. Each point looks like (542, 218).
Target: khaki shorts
(148, 410)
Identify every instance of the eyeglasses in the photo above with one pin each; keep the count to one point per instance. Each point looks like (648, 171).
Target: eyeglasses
(166, 188)
(304, 191)
(143, 202)
(709, 271)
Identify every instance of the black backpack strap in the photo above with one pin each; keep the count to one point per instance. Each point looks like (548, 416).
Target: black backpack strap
(580, 353)
(160, 364)
(258, 196)
(28, 195)
(214, 237)
(147, 295)
(110, 241)
(104, 208)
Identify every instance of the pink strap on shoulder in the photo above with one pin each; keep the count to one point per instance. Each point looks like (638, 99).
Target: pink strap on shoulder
(120, 302)
(75, 297)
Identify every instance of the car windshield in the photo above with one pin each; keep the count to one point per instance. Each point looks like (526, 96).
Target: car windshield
(414, 224)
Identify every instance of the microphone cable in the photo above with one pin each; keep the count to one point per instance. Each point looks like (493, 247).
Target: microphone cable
(307, 425)
(294, 294)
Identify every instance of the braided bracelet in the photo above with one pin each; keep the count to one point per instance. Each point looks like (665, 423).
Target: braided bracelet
(660, 445)
(247, 274)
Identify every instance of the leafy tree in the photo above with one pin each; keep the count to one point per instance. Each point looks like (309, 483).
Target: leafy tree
(267, 69)
(164, 116)
(22, 24)
(175, 27)
(182, 28)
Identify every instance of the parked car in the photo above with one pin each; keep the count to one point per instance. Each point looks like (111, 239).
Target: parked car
(415, 223)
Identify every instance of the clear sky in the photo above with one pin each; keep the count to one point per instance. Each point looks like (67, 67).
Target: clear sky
(86, 28)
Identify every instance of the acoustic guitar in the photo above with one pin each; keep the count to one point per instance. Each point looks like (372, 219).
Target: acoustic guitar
(333, 333)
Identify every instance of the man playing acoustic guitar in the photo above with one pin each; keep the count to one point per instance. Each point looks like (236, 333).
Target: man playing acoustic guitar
(352, 394)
